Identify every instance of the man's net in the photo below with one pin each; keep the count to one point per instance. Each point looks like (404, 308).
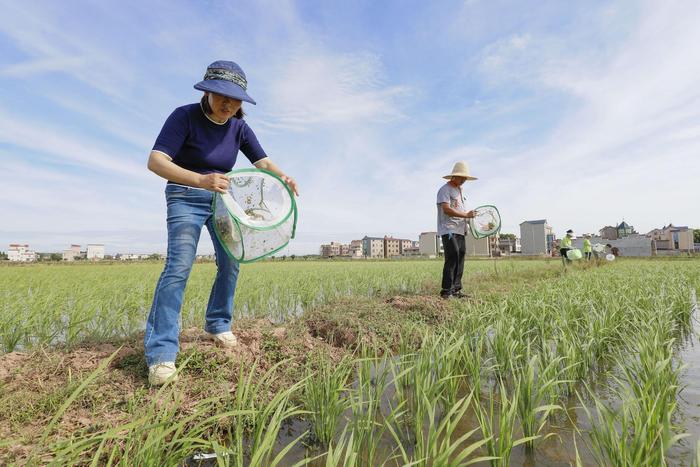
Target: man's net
(487, 221)
(256, 217)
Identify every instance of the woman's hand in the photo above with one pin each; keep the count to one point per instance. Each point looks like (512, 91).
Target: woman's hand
(213, 182)
(292, 184)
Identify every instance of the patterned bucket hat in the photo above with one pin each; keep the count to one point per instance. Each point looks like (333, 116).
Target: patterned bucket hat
(227, 79)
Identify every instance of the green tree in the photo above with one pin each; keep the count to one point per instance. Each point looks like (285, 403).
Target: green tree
(696, 235)
(3, 255)
(507, 235)
(56, 257)
(154, 256)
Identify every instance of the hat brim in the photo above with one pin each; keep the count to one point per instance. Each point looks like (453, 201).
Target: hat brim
(225, 88)
(468, 177)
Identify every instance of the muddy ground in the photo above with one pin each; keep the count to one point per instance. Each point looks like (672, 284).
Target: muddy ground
(34, 385)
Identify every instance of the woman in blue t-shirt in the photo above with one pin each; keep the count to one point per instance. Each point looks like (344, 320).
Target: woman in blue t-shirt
(198, 144)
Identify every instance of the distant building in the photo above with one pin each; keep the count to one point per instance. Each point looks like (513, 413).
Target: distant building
(508, 245)
(72, 253)
(430, 244)
(392, 247)
(608, 233)
(20, 253)
(137, 257)
(477, 246)
(672, 239)
(355, 249)
(624, 230)
(536, 237)
(395, 246)
(331, 250)
(373, 247)
(412, 251)
(95, 251)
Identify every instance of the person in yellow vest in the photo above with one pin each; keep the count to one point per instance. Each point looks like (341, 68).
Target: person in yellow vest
(587, 247)
(565, 246)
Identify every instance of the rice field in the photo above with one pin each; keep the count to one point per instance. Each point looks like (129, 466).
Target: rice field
(593, 366)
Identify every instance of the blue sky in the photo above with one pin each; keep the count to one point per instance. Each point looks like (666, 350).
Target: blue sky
(583, 113)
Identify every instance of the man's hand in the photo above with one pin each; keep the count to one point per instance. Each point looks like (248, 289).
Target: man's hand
(470, 215)
(214, 182)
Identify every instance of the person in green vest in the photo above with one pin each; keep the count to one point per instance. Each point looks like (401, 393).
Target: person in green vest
(565, 246)
(587, 247)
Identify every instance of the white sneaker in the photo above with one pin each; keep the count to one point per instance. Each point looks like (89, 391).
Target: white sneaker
(224, 339)
(162, 373)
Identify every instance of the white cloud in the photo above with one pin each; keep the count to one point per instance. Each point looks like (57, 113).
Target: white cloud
(366, 144)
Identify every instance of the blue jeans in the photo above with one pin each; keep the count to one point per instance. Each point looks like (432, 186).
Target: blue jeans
(189, 209)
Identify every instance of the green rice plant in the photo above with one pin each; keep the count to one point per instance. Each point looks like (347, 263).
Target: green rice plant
(366, 401)
(448, 361)
(505, 347)
(439, 444)
(473, 362)
(400, 416)
(344, 453)
(535, 386)
(641, 431)
(499, 434)
(257, 424)
(325, 396)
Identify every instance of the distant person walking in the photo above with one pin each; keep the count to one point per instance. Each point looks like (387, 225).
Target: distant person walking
(587, 247)
(565, 246)
(197, 145)
(452, 227)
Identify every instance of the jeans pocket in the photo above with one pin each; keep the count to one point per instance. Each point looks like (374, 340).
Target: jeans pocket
(176, 190)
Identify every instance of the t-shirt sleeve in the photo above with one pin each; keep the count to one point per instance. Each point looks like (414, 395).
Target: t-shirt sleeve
(173, 134)
(250, 145)
(443, 195)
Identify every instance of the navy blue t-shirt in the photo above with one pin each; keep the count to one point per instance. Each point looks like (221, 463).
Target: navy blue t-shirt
(196, 143)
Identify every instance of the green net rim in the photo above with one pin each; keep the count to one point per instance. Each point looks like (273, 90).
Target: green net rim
(475, 233)
(237, 221)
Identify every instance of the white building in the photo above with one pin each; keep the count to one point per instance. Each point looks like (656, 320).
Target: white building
(71, 253)
(536, 237)
(21, 253)
(477, 246)
(95, 251)
(429, 244)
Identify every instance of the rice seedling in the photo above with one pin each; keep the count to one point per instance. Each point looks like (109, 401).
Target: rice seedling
(535, 386)
(366, 397)
(325, 397)
(499, 434)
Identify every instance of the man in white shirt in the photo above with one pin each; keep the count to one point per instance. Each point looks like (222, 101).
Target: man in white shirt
(452, 226)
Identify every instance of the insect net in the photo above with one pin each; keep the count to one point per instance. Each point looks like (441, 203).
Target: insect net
(598, 248)
(487, 221)
(574, 254)
(256, 217)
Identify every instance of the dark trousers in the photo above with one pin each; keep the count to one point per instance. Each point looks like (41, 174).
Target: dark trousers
(564, 258)
(455, 250)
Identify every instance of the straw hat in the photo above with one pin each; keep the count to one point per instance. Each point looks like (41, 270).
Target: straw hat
(461, 169)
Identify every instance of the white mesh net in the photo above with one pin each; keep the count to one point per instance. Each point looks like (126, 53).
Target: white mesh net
(256, 217)
(486, 223)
